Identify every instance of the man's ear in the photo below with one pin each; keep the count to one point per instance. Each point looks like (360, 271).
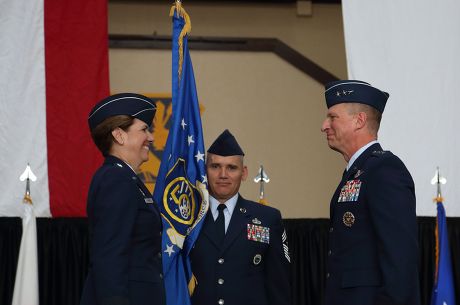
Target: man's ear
(361, 120)
(245, 173)
(118, 135)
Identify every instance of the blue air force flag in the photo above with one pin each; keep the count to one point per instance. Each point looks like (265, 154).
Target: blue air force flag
(180, 189)
(443, 290)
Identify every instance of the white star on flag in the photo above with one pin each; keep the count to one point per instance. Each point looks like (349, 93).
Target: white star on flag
(190, 140)
(169, 250)
(205, 179)
(199, 156)
(183, 124)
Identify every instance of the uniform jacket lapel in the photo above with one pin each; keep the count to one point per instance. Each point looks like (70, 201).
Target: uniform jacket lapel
(236, 226)
(209, 229)
(139, 183)
(238, 222)
(357, 165)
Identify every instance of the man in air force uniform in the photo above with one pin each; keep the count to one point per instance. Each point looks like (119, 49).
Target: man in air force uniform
(373, 252)
(241, 255)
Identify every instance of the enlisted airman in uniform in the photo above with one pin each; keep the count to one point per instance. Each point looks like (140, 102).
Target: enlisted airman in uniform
(373, 251)
(241, 256)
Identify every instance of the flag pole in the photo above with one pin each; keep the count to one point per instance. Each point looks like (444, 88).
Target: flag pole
(438, 180)
(26, 282)
(181, 185)
(443, 287)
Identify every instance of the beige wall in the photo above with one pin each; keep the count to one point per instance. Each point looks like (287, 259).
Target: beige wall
(273, 109)
(320, 37)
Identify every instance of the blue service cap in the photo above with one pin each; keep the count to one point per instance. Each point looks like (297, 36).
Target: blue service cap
(226, 145)
(132, 104)
(355, 91)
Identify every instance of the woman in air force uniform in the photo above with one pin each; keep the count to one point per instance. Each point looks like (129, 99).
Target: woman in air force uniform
(124, 222)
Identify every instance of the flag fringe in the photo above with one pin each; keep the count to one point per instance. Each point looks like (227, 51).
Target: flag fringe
(192, 284)
(179, 9)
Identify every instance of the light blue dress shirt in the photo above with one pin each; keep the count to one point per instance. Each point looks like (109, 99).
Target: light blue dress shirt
(357, 154)
(230, 204)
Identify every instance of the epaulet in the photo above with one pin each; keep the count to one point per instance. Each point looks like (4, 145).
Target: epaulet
(380, 153)
(117, 165)
(112, 166)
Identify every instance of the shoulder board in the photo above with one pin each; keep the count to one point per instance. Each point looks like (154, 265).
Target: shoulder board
(380, 153)
(117, 165)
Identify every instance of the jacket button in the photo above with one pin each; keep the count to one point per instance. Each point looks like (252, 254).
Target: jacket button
(331, 229)
(221, 261)
(221, 302)
(220, 281)
(329, 253)
(161, 275)
(159, 254)
(327, 275)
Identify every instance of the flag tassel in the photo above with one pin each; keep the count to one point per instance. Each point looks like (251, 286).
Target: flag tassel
(180, 11)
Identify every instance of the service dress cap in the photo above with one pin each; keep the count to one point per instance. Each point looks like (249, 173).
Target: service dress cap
(355, 91)
(132, 104)
(226, 145)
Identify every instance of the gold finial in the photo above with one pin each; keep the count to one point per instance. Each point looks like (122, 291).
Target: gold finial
(27, 176)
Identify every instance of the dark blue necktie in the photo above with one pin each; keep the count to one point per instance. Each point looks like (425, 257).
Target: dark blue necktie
(220, 223)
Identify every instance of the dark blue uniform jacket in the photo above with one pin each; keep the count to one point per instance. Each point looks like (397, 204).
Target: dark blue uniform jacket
(125, 234)
(373, 251)
(243, 271)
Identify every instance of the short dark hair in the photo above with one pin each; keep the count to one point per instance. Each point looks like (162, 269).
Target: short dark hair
(102, 133)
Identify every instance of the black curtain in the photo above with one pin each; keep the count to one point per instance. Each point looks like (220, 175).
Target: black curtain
(307, 241)
(10, 240)
(63, 257)
(427, 242)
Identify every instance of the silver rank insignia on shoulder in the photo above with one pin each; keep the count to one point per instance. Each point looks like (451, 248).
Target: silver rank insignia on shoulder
(256, 221)
(350, 191)
(119, 165)
(258, 233)
(148, 200)
(257, 259)
(348, 219)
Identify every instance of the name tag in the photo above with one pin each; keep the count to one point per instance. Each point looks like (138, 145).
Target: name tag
(258, 233)
(350, 191)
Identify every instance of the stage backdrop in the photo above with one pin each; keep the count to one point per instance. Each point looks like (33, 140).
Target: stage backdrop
(410, 49)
